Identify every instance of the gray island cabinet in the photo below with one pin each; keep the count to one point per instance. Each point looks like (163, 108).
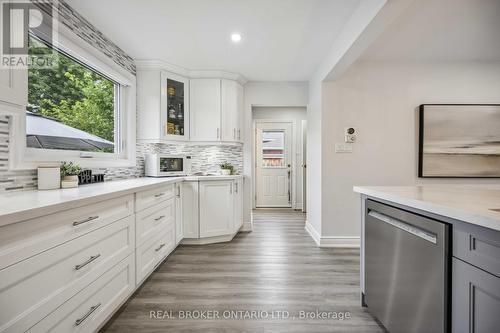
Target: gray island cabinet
(467, 272)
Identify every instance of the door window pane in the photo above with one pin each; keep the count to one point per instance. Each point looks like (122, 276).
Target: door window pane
(273, 148)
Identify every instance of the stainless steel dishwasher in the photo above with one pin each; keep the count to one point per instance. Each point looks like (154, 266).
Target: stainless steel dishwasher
(407, 267)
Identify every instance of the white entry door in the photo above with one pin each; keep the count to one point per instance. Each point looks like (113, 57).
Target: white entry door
(273, 167)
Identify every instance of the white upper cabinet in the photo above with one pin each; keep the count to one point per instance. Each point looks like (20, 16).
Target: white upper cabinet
(14, 86)
(241, 112)
(230, 125)
(163, 106)
(205, 109)
(216, 110)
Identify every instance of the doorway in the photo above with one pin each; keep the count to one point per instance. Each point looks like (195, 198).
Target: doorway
(290, 124)
(273, 167)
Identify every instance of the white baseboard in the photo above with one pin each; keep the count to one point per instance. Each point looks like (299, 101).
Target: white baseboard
(345, 242)
(246, 227)
(332, 241)
(313, 233)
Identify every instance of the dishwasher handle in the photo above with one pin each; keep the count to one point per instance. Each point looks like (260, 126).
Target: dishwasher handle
(425, 235)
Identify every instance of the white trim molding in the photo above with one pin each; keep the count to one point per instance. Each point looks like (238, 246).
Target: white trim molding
(246, 227)
(156, 64)
(332, 241)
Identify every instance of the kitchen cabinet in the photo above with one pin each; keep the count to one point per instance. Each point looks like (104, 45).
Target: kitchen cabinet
(14, 86)
(216, 208)
(190, 216)
(205, 101)
(216, 110)
(179, 227)
(476, 299)
(231, 110)
(163, 106)
(238, 204)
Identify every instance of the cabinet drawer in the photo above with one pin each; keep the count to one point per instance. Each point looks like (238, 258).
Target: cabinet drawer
(152, 252)
(153, 219)
(88, 310)
(151, 197)
(477, 246)
(22, 240)
(34, 287)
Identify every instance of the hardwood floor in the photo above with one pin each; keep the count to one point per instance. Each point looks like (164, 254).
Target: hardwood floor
(277, 267)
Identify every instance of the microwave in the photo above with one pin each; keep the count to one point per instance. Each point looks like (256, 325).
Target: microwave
(160, 165)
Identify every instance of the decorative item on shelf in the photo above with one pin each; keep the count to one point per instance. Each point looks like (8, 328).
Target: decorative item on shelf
(49, 177)
(226, 169)
(180, 112)
(86, 177)
(69, 174)
(177, 130)
(170, 128)
(171, 91)
(172, 112)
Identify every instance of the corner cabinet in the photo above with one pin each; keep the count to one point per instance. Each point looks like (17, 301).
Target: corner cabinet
(216, 110)
(163, 106)
(213, 210)
(216, 208)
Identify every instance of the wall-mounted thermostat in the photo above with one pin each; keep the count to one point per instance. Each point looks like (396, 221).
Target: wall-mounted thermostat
(350, 134)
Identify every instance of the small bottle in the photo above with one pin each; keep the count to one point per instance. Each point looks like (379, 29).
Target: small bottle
(180, 114)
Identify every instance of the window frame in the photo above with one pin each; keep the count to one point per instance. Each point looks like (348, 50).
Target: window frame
(70, 44)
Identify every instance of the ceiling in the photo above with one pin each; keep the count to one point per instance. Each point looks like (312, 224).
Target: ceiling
(444, 30)
(283, 40)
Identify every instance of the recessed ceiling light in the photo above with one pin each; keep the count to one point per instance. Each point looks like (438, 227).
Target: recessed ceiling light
(236, 37)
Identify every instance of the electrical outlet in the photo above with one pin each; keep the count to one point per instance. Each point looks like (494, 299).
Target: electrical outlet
(343, 148)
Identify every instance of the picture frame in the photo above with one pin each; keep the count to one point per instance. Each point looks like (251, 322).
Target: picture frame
(459, 141)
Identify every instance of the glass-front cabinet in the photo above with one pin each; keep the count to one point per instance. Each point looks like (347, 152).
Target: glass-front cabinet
(174, 107)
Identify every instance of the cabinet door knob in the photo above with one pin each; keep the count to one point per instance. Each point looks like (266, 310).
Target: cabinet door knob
(85, 316)
(88, 219)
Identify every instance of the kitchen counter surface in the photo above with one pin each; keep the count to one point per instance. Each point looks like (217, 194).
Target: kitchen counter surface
(473, 204)
(21, 206)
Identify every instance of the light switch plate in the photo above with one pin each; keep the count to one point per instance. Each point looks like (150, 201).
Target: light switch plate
(343, 148)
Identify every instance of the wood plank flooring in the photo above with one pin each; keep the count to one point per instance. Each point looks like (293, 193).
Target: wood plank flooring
(277, 267)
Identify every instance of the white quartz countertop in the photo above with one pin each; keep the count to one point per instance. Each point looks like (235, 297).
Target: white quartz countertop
(20, 206)
(473, 204)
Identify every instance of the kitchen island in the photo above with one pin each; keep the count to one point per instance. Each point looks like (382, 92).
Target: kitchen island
(430, 257)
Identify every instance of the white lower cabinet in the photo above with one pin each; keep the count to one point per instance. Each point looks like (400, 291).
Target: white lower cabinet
(190, 216)
(238, 203)
(216, 208)
(92, 306)
(70, 271)
(152, 252)
(179, 227)
(39, 284)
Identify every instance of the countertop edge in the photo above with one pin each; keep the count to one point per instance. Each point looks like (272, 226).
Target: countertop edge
(438, 209)
(43, 210)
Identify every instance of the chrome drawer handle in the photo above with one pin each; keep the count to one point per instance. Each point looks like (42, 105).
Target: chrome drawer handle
(159, 218)
(160, 247)
(92, 309)
(159, 195)
(77, 267)
(88, 219)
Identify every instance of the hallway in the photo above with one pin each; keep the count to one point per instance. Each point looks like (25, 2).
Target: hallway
(277, 267)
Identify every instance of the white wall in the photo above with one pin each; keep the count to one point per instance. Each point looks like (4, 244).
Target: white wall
(270, 94)
(381, 100)
(297, 114)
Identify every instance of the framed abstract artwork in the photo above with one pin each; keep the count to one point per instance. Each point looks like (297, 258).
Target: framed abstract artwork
(459, 141)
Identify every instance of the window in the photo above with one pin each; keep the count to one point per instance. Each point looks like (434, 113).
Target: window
(273, 148)
(71, 107)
